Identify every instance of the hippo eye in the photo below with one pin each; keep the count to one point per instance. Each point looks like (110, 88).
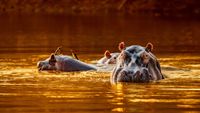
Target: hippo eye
(147, 50)
(115, 57)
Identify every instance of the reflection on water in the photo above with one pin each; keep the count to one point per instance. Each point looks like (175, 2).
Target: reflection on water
(119, 98)
(25, 33)
(24, 89)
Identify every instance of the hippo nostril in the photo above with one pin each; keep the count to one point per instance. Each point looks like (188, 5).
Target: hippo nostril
(123, 77)
(145, 71)
(123, 73)
(146, 76)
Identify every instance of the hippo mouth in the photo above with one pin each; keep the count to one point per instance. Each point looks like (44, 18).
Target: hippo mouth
(134, 74)
(40, 66)
(44, 66)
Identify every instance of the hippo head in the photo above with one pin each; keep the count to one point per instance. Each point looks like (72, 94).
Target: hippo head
(48, 64)
(136, 64)
(110, 58)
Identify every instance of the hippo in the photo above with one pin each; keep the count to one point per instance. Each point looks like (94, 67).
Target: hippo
(110, 58)
(60, 62)
(136, 64)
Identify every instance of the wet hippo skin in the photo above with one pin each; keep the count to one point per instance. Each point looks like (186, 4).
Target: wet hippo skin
(110, 58)
(63, 63)
(136, 64)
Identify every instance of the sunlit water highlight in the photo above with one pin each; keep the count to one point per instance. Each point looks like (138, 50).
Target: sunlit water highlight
(24, 89)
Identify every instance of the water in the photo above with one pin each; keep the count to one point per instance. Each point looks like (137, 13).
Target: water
(24, 89)
(95, 34)
(28, 39)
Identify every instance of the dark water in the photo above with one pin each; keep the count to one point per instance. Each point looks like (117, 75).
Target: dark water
(34, 33)
(28, 39)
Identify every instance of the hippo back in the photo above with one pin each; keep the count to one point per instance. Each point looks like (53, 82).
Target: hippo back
(65, 63)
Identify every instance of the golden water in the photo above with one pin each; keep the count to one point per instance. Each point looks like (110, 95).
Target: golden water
(25, 90)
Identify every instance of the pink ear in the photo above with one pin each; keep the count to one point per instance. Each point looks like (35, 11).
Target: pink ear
(107, 54)
(149, 46)
(121, 46)
(52, 59)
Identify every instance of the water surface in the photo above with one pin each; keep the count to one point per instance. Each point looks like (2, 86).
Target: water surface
(26, 39)
(23, 89)
(95, 34)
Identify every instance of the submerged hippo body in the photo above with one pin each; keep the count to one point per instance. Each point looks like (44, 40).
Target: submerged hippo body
(63, 63)
(136, 64)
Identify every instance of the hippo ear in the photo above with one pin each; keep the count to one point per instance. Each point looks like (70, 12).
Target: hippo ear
(52, 56)
(107, 54)
(74, 54)
(121, 46)
(149, 47)
(52, 59)
(58, 51)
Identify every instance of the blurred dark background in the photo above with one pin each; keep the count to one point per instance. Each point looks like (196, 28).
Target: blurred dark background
(177, 8)
(96, 25)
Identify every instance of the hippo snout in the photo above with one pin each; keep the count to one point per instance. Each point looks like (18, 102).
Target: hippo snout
(41, 65)
(142, 76)
(139, 75)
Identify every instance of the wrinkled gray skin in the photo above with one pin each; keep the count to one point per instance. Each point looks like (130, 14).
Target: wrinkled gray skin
(111, 60)
(136, 64)
(63, 63)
